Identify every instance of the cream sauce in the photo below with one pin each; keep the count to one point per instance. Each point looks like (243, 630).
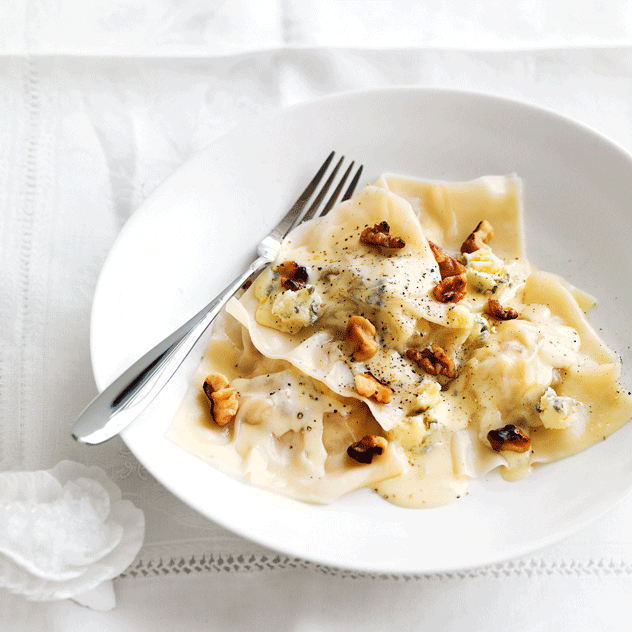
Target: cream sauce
(546, 372)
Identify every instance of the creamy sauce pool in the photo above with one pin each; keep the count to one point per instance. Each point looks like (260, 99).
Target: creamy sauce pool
(402, 343)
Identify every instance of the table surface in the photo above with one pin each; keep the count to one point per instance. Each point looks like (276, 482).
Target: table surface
(101, 100)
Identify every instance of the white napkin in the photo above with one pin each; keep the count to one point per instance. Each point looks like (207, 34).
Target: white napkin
(179, 28)
(119, 127)
(104, 98)
(66, 533)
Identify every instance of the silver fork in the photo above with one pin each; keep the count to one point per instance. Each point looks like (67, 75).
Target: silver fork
(121, 402)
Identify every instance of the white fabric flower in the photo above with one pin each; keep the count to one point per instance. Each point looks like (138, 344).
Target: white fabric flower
(66, 533)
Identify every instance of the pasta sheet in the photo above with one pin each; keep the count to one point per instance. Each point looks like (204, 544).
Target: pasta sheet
(288, 357)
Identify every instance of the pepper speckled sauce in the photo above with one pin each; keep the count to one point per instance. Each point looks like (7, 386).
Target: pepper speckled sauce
(410, 321)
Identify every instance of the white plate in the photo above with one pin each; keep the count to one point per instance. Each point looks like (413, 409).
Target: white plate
(201, 227)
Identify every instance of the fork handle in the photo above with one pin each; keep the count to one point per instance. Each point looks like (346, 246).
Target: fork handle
(121, 402)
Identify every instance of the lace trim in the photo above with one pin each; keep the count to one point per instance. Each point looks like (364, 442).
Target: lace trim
(24, 250)
(213, 563)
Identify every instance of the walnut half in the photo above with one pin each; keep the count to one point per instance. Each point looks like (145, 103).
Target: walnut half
(293, 276)
(433, 360)
(368, 386)
(495, 309)
(379, 235)
(478, 237)
(360, 334)
(509, 438)
(222, 399)
(451, 289)
(448, 266)
(368, 447)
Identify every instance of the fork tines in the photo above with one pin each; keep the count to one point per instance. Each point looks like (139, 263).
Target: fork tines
(312, 211)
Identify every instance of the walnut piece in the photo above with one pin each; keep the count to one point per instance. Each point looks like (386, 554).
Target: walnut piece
(222, 399)
(378, 235)
(495, 309)
(509, 438)
(215, 382)
(478, 237)
(433, 360)
(368, 386)
(451, 289)
(448, 266)
(368, 447)
(293, 276)
(360, 334)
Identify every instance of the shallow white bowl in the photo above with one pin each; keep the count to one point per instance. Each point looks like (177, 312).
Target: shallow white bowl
(201, 227)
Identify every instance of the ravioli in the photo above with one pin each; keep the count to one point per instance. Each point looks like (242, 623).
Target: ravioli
(396, 345)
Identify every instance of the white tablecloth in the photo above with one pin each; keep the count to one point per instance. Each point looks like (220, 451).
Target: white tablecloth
(101, 100)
